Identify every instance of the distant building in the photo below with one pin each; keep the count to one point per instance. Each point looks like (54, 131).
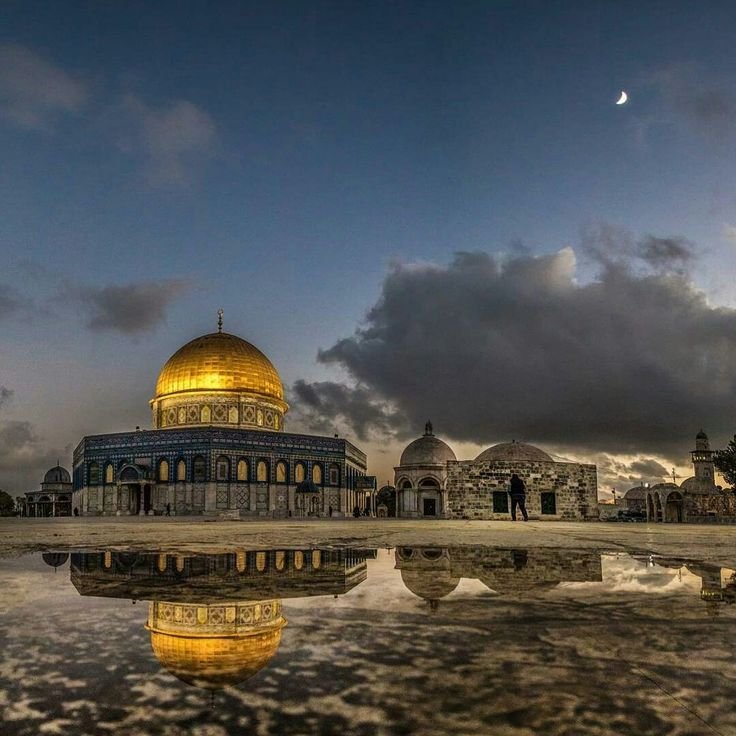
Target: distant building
(218, 447)
(431, 483)
(697, 499)
(53, 499)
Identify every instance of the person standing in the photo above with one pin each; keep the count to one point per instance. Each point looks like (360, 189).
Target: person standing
(517, 490)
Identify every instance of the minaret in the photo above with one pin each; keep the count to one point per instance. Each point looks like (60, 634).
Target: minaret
(703, 459)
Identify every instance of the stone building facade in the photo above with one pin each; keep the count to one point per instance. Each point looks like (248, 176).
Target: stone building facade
(431, 483)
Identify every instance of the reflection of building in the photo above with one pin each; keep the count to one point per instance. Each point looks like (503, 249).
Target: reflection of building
(715, 587)
(217, 446)
(431, 482)
(215, 620)
(54, 498)
(433, 573)
(696, 499)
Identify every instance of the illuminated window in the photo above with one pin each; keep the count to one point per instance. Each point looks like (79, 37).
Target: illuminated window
(298, 560)
(240, 561)
(181, 470)
(161, 563)
(199, 469)
(94, 474)
(317, 474)
(223, 468)
(280, 560)
(262, 471)
(232, 415)
(316, 559)
(260, 561)
(108, 560)
(299, 472)
(281, 472)
(163, 471)
(206, 415)
(242, 470)
(109, 473)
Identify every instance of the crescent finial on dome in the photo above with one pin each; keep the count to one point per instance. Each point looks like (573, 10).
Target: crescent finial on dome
(220, 312)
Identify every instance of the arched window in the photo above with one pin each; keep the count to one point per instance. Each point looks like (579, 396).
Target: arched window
(232, 415)
(300, 472)
(262, 471)
(240, 560)
(181, 470)
(406, 484)
(316, 559)
(206, 415)
(163, 471)
(260, 561)
(242, 470)
(223, 468)
(317, 474)
(109, 473)
(281, 472)
(334, 474)
(280, 560)
(199, 469)
(93, 473)
(298, 560)
(428, 483)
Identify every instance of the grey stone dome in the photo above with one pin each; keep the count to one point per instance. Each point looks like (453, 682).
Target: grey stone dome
(57, 475)
(427, 450)
(636, 493)
(513, 452)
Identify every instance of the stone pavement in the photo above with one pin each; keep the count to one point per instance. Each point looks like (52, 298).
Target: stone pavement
(714, 543)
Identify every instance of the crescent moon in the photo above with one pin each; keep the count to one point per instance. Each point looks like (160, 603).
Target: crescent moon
(623, 99)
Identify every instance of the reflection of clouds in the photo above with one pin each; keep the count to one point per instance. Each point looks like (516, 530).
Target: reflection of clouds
(366, 663)
(628, 575)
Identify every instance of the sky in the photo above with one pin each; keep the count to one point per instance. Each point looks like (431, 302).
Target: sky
(418, 211)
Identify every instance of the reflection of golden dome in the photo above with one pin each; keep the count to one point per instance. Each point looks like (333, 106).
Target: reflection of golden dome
(219, 379)
(219, 362)
(215, 645)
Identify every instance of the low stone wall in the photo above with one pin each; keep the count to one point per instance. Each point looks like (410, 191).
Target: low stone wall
(470, 487)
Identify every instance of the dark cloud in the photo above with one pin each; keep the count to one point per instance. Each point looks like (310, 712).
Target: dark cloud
(334, 408)
(631, 362)
(131, 308)
(10, 301)
(705, 104)
(649, 469)
(608, 245)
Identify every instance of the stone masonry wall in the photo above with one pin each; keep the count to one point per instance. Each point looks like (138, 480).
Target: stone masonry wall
(470, 488)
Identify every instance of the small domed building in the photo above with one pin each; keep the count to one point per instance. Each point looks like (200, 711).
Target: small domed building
(54, 497)
(432, 483)
(218, 446)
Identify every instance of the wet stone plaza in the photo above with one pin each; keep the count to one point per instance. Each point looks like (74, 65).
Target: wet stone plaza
(479, 629)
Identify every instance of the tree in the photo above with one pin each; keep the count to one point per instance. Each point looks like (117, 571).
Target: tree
(7, 504)
(725, 462)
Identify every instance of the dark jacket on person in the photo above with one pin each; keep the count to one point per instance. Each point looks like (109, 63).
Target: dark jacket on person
(517, 486)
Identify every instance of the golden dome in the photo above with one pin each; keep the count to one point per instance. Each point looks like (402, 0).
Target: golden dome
(214, 662)
(219, 362)
(215, 645)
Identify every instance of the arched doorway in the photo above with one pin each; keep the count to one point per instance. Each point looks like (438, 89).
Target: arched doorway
(429, 498)
(674, 508)
(657, 507)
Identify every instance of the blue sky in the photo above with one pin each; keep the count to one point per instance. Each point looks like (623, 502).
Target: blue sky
(276, 160)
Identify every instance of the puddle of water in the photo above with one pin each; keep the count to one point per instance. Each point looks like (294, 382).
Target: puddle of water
(455, 640)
